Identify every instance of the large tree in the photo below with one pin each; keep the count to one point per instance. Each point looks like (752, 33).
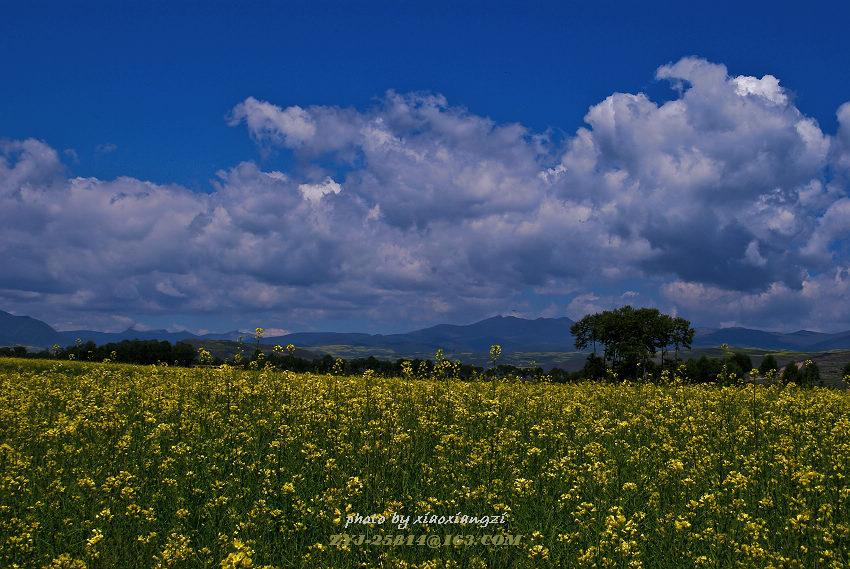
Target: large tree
(631, 337)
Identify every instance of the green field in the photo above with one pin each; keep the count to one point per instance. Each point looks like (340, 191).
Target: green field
(107, 465)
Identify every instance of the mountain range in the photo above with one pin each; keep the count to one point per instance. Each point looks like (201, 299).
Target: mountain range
(511, 333)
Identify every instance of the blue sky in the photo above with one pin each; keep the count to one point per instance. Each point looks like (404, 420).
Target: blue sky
(382, 166)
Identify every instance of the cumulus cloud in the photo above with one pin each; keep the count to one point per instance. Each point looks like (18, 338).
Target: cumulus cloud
(820, 304)
(841, 146)
(292, 127)
(314, 192)
(726, 202)
(704, 176)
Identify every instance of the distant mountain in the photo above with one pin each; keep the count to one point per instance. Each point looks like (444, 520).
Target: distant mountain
(512, 333)
(737, 337)
(553, 335)
(801, 340)
(515, 334)
(100, 338)
(26, 331)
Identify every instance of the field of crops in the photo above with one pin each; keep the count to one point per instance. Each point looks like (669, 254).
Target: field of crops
(105, 465)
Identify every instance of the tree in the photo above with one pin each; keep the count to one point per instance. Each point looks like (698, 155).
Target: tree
(743, 362)
(183, 353)
(791, 373)
(768, 364)
(594, 367)
(681, 334)
(631, 337)
(810, 374)
(588, 330)
(703, 370)
(664, 335)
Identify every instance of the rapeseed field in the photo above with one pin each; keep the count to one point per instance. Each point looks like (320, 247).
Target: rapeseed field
(120, 466)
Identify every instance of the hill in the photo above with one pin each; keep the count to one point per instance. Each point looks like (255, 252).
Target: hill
(801, 340)
(26, 331)
(510, 332)
(131, 333)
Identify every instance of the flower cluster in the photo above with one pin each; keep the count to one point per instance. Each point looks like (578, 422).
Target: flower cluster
(130, 466)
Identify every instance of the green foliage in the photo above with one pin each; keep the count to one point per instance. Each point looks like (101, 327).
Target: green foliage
(791, 373)
(594, 368)
(810, 374)
(768, 364)
(127, 351)
(703, 370)
(631, 337)
(743, 362)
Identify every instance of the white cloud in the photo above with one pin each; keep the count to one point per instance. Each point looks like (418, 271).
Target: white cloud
(291, 127)
(766, 87)
(753, 256)
(832, 227)
(314, 192)
(820, 304)
(841, 147)
(722, 201)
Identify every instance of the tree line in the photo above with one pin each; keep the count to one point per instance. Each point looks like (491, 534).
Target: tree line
(738, 365)
(143, 352)
(154, 352)
(632, 339)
